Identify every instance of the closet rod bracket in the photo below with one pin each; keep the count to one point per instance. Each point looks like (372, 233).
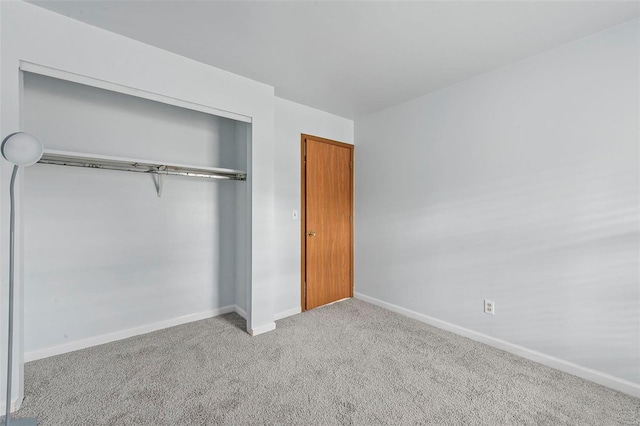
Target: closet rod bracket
(161, 179)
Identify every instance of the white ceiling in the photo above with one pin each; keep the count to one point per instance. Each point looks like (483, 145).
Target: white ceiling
(352, 58)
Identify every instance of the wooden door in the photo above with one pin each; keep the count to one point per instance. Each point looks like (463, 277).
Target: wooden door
(327, 221)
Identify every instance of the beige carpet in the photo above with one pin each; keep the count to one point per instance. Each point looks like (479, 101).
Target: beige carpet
(350, 363)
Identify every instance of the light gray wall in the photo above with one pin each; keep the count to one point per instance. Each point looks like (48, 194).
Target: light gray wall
(102, 252)
(519, 186)
(63, 43)
(291, 121)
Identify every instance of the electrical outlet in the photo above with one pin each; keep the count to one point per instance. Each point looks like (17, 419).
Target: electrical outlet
(489, 307)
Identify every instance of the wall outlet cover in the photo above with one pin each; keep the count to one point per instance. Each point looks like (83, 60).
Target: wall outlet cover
(489, 307)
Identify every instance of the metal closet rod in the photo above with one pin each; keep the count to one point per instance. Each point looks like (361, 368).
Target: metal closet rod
(141, 167)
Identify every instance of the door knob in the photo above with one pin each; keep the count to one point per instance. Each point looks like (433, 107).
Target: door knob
(312, 234)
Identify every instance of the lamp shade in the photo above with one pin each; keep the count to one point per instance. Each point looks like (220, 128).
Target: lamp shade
(22, 149)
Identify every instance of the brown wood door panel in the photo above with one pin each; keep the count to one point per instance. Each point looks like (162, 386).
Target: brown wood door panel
(328, 210)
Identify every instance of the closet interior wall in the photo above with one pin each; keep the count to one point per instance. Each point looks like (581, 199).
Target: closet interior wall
(103, 252)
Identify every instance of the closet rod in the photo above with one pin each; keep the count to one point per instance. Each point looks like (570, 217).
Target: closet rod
(139, 166)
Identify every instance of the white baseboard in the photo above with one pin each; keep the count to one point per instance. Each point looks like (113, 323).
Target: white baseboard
(604, 379)
(263, 328)
(15, 406)
(276, 317)
(287, 313)
(123, 334)
(240, 311)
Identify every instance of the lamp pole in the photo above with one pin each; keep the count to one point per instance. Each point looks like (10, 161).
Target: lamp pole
(21, 149)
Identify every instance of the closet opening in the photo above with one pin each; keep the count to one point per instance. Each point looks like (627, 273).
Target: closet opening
(136, 219)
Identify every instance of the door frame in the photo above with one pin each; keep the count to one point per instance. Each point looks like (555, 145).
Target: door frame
(303, 212)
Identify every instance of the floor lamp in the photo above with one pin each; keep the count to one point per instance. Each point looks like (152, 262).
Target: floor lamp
(20, 149)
